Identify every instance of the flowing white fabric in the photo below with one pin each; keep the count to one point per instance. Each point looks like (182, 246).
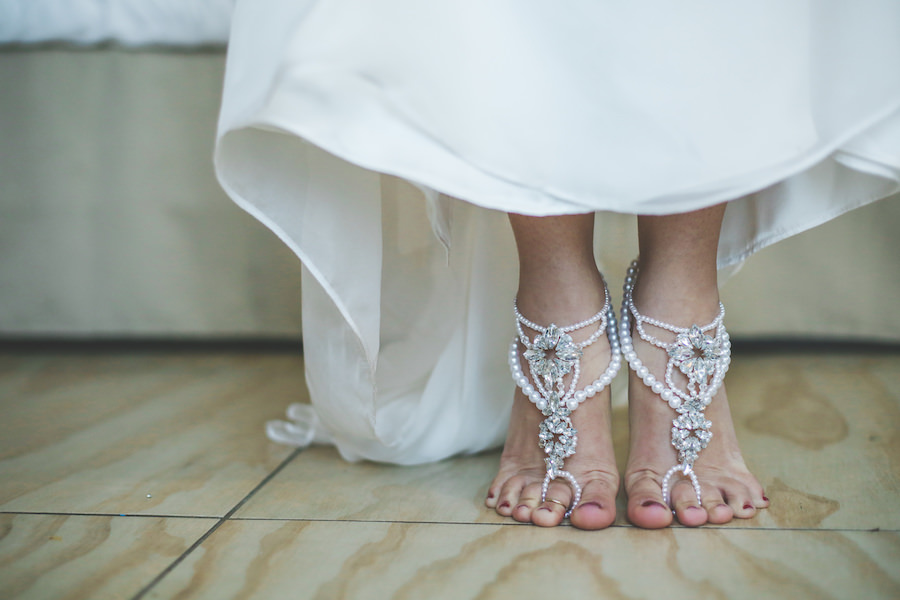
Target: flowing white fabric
(332, 108)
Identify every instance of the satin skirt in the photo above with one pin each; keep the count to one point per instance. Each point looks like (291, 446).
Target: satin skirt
(385, 141)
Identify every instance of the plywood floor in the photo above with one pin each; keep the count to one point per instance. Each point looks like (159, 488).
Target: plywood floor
(147, 475)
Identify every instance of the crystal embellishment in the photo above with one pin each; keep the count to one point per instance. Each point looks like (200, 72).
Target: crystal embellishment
(690, 434)
(696, 354)
(552, 355)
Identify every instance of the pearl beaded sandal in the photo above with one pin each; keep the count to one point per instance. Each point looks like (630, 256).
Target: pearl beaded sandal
(551, 356)
(703, 360)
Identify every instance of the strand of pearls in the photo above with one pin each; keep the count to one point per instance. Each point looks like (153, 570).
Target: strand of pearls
(671, 393)
(536, 393)
(576, 497)
(686, 470)
(665, 389)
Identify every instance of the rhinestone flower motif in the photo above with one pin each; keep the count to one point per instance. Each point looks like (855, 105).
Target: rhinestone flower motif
(696, 354)
(553, 354)
(690, 434)
(558, 438)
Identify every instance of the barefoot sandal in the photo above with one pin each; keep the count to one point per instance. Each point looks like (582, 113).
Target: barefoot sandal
(551, 356)
(703, 359)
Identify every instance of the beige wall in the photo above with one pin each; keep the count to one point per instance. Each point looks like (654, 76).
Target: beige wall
(111, 221)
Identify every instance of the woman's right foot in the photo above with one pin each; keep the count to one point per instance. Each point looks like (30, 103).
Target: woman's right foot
(516, 490)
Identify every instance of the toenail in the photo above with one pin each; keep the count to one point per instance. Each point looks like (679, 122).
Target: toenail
(504, 504)
(693, 508)
(764, 498)
(648, 503)
(597, 504)
(490, 495)
(521, 506)
(721, 505)
(748, 506)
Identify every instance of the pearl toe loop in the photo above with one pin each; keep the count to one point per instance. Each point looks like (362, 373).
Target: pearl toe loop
(576, 489)
(688, 472)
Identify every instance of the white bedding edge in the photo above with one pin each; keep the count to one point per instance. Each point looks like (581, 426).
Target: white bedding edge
(129, 22)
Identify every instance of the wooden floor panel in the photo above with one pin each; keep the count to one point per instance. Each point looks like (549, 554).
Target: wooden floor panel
(150, 471)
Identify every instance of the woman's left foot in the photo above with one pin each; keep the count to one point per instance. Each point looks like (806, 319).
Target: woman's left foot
(727, 488)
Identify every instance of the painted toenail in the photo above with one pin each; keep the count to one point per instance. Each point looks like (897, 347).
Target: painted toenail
(504, 504)
(764, 498)
(490, 495)
(648, 503)
(748, 506)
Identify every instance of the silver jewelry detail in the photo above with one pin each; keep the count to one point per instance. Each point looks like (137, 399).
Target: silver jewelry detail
(552, 356)
(702, 358)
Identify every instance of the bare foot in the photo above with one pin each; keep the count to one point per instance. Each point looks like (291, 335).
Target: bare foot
(516, 490)
(728, 488)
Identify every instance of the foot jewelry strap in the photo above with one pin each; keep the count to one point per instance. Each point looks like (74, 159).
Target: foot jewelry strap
(552, 356)
(702, 359)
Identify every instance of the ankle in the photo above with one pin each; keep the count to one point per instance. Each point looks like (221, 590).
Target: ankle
(563, 301)
(674, 289)
(678, 305)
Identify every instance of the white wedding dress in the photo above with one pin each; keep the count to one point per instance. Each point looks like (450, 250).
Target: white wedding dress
(332, 108)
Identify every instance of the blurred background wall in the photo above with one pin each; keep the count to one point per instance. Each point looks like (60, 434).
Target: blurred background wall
(111, 221)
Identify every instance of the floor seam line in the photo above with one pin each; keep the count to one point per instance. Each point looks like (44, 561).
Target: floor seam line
(52, 513)
(222, 520)
(697, 529)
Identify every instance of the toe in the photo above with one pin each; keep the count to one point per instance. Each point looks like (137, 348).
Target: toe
(740, 500)
(690, 514)
(504, 488)
(649, 513)
(491, 500)
(719, 513)
(687, 510)
(508, 497)
(528, 501)
(645, 502)
(597, 509)
(716, 508)
(550, 513)
(758, 495)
